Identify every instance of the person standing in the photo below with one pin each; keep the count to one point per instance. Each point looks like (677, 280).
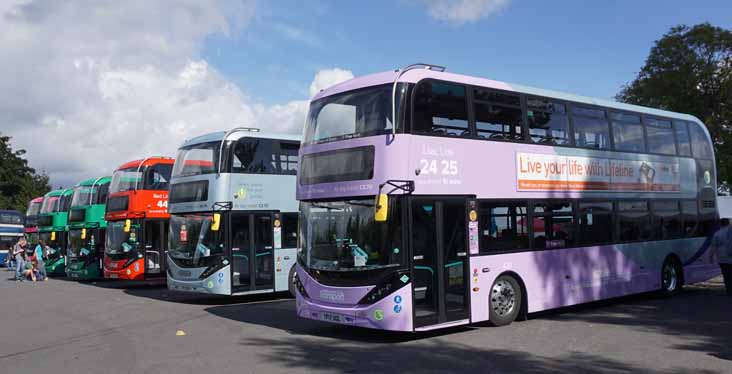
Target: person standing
(39, 253)
(19, 254)
(723, 244)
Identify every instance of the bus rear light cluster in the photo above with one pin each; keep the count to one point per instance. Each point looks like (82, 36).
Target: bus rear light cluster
(299, 286)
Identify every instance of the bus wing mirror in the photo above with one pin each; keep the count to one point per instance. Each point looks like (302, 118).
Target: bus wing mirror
(381, 212)
(216, 222)
(53, 235)
(83, 233)
(128, 225)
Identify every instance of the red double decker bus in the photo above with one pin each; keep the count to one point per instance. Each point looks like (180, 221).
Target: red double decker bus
(137, 220)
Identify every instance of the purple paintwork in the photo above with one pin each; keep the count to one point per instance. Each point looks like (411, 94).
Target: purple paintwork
(475, 162)
(488, 170)
(382, 315)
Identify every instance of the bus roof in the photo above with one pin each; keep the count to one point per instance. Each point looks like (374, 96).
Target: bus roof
(59, 192)
(10, 211)
(92, 181)
(416, 75)
(147, 162)
(219, 135)
(38, 199)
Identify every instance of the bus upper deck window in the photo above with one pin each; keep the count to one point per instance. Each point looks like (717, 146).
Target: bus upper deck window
(441, 108)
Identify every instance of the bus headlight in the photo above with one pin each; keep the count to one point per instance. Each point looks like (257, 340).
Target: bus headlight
(383, 289)
(299, 286)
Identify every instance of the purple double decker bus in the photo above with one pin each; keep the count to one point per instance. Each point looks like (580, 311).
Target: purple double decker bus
(430, 199)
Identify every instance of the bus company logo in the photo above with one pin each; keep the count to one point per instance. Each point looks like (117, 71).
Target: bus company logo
(241, 194)
(332, 295)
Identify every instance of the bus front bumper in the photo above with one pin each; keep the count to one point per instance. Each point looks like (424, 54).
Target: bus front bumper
(393, 312)
(188, 280)
(80, 270)
(117, 269)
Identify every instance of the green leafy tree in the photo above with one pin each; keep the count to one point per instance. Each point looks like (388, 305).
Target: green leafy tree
(19, 183)
(689, 70)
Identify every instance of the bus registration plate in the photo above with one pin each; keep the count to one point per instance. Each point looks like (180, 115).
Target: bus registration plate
(113, 276)
(337, 318)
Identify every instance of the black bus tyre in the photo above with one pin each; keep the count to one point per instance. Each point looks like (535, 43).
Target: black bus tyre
(505, 301)
(291, 282)
(672, 279)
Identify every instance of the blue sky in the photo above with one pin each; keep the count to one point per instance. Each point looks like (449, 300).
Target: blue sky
(584, 47)
(134, 78)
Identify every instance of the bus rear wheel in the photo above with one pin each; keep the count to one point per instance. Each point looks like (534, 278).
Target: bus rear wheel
(291, 282)
(671, 277)
(505, 301)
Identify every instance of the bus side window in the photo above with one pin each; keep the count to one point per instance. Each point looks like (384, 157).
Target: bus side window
(591, 128)
(553, 224)
(441, 108)
(157, 176)
(548, 122)
(700, 146)
(503, 227)
(498, 116)
(285, 158)
(595, 222)
(682, 137)
(102, 192)
(690, 216)
(660, 136)
(667, 220)
(289, 230)
(628, 132)
(634, 222)
(253, 156)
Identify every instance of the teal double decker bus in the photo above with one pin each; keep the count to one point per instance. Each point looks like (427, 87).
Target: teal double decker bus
(52, 221)
(87, 229)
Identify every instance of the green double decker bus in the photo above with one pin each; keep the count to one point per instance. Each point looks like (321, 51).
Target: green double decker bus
(52, 221)
(87, 229)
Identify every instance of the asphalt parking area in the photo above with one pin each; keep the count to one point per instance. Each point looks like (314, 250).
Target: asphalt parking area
(106, 327)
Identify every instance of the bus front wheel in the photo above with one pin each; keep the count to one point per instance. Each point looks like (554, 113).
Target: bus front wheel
(505, 301)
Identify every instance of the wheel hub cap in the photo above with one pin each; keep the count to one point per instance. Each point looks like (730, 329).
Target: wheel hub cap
(503, 298)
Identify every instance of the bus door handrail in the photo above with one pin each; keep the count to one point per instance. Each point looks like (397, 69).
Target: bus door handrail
(401, 72)
(223, 141)
(92, 188)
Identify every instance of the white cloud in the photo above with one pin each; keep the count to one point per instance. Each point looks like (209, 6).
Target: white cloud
(90, 85)
(328, 77)
(462, 11)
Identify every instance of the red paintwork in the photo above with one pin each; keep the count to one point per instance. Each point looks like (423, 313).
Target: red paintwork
(117, 270)
(144, 204)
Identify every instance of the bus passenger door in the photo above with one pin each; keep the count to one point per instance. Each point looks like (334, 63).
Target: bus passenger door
(240, 248)
(439, 250)
(155, 238)
(263, 245)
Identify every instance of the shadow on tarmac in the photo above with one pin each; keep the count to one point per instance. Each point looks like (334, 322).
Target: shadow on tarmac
(434, 356)
(701, 314)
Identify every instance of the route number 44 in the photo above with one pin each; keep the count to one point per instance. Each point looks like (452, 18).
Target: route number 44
(443, 167)
(162, 204)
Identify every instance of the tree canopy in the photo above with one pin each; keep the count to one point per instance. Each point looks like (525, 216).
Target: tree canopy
(19, 183)
(689, 70)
